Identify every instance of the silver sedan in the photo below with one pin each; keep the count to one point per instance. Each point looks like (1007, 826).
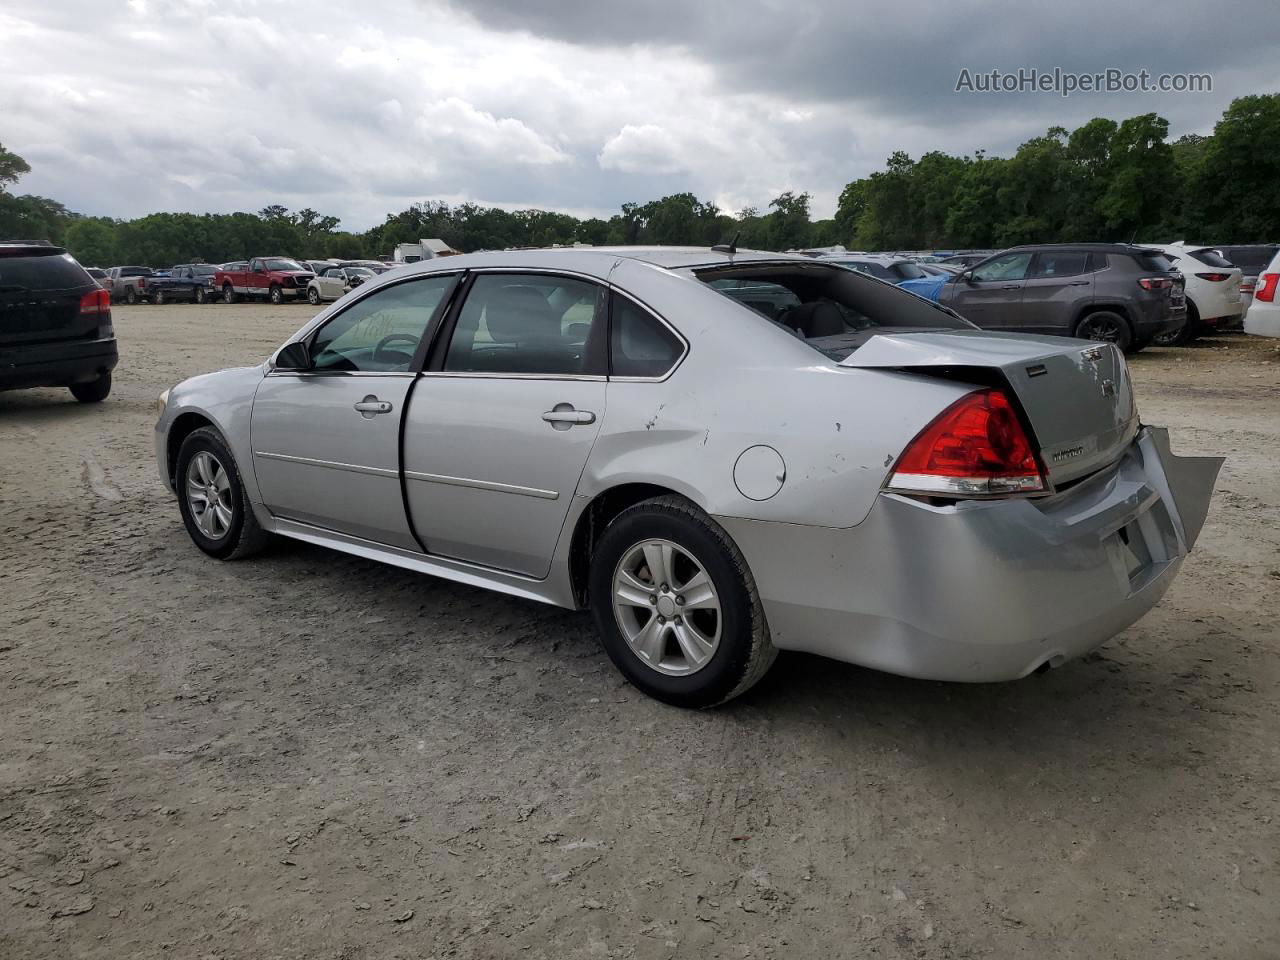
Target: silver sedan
(719, 453)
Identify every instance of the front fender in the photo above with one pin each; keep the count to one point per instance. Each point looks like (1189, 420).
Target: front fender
(225, 400)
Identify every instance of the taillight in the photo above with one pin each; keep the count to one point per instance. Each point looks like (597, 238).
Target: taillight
(1155, 283)
(976, 447)
(1215, 277)
(95, 302)
(1266, 291)
(142, 283)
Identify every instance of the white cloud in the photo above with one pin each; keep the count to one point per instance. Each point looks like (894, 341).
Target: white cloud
(456, 127)
(644, 149)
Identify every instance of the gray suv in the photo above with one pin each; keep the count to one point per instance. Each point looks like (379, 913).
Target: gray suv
(1096, 291)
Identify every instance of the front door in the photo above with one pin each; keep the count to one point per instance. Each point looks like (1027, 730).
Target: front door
(500, 426)
(326, 441)
(990, 295)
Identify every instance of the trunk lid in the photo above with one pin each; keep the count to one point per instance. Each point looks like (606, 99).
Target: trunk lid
(40, 295)
(1076, 394)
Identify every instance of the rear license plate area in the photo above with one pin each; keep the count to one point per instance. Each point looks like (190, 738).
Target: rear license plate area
(1134, 550)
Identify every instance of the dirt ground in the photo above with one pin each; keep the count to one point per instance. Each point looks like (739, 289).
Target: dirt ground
(312, 755)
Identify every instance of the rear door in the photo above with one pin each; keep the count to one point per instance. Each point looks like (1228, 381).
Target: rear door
(990, 295)
(503, 420)
(326, 441)
(1057, 284)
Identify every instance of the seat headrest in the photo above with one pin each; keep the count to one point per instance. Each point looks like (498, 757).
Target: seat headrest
(518, 314)
(821, 318)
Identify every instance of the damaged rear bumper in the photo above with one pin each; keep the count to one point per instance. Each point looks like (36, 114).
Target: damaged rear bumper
(984, 590)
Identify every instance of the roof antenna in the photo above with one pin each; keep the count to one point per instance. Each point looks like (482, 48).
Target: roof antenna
(730, 248)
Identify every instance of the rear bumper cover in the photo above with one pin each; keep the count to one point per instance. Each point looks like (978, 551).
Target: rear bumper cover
(984, 590)
(57, 364)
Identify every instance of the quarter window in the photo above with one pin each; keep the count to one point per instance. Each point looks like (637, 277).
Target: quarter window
(514, 323)
(640, 345)
(380, 333)
(1010, 266)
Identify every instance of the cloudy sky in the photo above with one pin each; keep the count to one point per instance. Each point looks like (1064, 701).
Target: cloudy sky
(124, 107)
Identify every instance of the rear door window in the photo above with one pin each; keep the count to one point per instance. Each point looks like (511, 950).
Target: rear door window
(1058, 263)
(526, 324)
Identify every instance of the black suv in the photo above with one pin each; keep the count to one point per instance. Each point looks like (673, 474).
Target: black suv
(55, 323)
(1096, 291)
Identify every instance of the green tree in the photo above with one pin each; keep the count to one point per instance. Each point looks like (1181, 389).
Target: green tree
(1239, 176)
(92, 241)
(12, 168)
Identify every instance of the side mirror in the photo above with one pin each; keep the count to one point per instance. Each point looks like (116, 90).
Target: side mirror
(293, 356)
(967, 276)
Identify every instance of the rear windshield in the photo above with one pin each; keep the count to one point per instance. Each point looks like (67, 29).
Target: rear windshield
(1150, 260)
(57, 271)
(869, 267)
(833, 310)
(1253, 258)
(1210, 258)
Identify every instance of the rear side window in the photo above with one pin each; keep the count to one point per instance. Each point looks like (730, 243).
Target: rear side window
(1058, 263)
(56, 271)
(906, 271)
(1211, 258)
(530, 324)
(639, 344)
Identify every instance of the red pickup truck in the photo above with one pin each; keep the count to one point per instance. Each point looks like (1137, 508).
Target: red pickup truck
(276, 278)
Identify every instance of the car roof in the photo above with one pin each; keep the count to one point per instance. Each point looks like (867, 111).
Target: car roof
(1090, 247)
(602, 258)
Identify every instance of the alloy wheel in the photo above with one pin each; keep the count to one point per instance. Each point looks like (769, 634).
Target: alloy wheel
(667, 607)
(209, 495)
(1106, 329)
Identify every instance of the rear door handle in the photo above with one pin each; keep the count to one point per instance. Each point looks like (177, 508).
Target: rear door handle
(371, 406)
(569, 416)
(1080, 283)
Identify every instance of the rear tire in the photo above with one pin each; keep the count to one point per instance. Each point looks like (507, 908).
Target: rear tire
(721, 619)
(228, 293)
(131, 296)
(1106, 326)
(1184, 334)
(221, 524)
(95, 391)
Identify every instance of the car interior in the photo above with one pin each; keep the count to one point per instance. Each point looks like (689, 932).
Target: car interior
(833, 309)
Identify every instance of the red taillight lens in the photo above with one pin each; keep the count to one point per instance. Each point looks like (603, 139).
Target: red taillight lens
(95, 303)
(1155, 283)
(976, 447)
(1266, 290)
(1215, 277)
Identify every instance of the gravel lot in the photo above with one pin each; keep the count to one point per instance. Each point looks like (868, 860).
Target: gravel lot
(310, 755)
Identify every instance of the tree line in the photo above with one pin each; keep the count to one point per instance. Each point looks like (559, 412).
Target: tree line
(1105, 180)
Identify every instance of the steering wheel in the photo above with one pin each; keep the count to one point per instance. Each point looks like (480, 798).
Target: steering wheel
(393, 338)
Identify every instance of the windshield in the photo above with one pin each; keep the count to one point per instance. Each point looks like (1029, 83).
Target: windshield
(834, 310)
(204, 269)
(279, 263)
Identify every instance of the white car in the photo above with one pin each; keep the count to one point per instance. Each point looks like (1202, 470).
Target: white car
(1263, 318)
(1213, 291)
(333, 283)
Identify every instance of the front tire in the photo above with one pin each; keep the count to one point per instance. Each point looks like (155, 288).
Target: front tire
(228, 293)
(1106, 326)
(159, 298)
(212, 499)
(313, 296)
(95, 391)
(200, 296)
(676, 607)
(275, 295)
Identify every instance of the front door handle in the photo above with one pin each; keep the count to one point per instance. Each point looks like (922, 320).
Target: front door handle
(1010, 286)
(371, 406)
(1080, 283)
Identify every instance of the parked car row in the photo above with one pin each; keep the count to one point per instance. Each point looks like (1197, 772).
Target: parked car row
(271, 278)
